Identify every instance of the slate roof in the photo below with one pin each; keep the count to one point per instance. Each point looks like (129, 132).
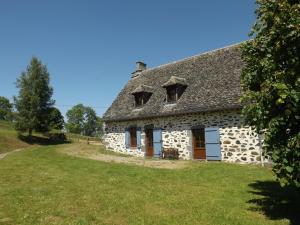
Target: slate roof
(212, 79)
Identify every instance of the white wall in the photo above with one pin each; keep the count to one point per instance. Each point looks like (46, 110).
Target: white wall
(238, 143)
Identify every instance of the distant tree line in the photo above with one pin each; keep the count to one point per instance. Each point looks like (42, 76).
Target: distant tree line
(33, 109)
(83, 120)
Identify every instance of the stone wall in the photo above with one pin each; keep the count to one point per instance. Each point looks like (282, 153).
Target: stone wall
(238, 143)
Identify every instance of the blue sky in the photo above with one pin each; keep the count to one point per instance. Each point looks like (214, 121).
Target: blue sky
(90, 47)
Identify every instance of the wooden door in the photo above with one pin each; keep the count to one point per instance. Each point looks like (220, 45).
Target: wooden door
(133, 141)
(199, 143)
(149, 143)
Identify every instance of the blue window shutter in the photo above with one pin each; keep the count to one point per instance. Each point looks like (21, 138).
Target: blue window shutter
(138, 137)
(157, 142)
(212, 143)
(127, 138)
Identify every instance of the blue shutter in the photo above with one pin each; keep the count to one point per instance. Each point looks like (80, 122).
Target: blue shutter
(127, 138)
(138, 137)
(157, 142)
(212, 143)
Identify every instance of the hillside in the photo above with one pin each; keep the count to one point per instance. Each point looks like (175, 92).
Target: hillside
(9, 138)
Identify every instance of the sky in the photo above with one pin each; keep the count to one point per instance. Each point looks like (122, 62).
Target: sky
(90, 46)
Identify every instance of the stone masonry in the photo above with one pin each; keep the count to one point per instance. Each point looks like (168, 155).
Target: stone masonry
(238, 143)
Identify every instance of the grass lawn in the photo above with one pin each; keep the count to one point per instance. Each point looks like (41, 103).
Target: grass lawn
(42, 185)
(83, 149)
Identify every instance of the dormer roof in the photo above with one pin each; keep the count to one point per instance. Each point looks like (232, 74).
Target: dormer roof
(175, 81)
(142, 88)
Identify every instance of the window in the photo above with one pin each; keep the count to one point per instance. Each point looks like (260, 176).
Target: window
(141, 99)
(133, 140)
(174, 92)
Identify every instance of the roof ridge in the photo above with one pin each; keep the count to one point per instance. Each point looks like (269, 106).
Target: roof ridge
(194, 56)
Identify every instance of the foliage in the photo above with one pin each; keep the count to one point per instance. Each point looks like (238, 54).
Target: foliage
(99, 127)
(75, 119)
(34, 99)
(56, 119)
(83, 120)
(271, 84)
(5, 109)
(90, 122)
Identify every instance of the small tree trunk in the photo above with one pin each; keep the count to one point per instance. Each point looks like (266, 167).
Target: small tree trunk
(30, 132)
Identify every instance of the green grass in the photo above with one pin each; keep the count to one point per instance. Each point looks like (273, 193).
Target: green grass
(9, 138)
(79, 137)
(84, 150)
(44, 186)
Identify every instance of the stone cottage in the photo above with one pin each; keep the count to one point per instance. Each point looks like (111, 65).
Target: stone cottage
(191, 105)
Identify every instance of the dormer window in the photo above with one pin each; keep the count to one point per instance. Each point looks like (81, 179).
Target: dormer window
(174, 93)
(141, 95)
(175, 87)
(141, 99)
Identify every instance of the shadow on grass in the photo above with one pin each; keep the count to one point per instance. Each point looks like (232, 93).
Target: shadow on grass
(276, 202)
(41, 140)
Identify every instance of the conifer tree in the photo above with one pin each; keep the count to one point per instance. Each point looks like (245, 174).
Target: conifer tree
(34, 99)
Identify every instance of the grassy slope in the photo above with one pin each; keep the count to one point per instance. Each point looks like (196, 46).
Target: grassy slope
(43, 186)
(8, 138)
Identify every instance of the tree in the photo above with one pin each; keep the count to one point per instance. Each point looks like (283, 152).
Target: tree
(34, 100)
(75, 119)
(56, 119)
(5, 109)
(90, 122)
(271, 84)
(99, 129)
(82, 120)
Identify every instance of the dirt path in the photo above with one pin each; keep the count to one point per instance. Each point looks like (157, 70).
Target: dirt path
(3, 155)
(88, 152)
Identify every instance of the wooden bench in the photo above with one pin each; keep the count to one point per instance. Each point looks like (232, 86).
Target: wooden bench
(170, 153)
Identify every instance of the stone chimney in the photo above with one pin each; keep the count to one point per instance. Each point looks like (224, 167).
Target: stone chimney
(140, 66)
